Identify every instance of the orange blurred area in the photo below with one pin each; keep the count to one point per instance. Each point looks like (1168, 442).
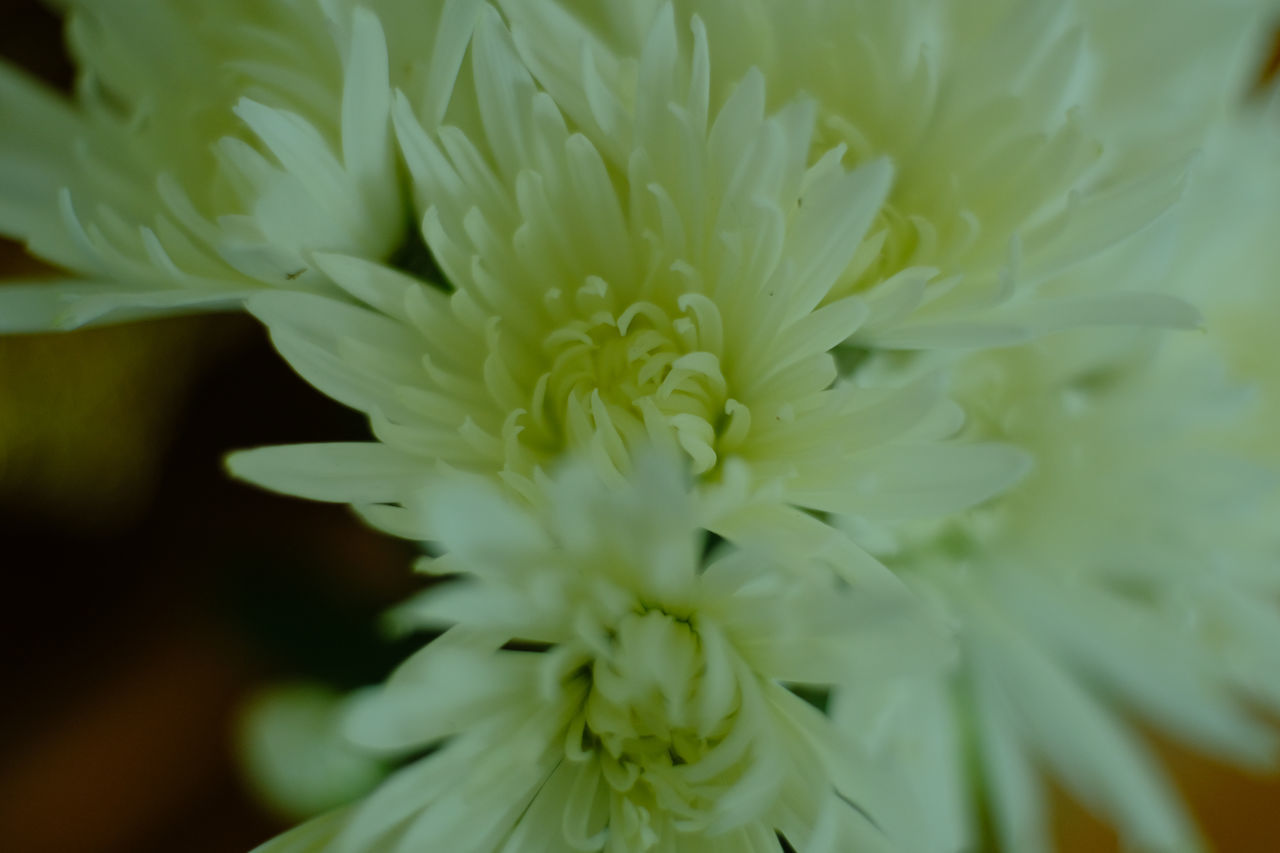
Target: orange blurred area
(1272, 66)
(1237, 811)
(148, 595)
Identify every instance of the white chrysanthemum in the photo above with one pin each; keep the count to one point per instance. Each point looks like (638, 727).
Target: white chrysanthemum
(1004, 179)
(1134, 568)
(210, 148)
(646, 707)
(678, 302)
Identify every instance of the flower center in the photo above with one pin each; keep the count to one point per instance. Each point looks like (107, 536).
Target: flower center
(658, 706)
(614, 377)
(643, 705)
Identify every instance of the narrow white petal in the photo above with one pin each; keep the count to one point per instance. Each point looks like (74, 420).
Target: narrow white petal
(453, 35)
(366, 102)
(345, 473)
(829, 226)
(1096, 758)
(916, 481)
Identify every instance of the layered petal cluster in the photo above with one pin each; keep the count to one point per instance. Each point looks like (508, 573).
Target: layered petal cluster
(603, 687)
(1011, 167)
(706, 342)
(683, 299)
(1133, 571)
(210, 147)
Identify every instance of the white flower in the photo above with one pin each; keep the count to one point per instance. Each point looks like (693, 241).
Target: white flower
(645, 707)
(1135, 569)
(211, 146)
(994, 113)
(682, 301)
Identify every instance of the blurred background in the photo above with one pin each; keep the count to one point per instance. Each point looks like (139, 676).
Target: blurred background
(149, 598)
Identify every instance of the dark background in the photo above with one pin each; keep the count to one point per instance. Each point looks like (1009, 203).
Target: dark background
(146, 595)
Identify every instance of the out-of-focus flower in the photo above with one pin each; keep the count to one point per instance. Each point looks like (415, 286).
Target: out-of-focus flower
(1133, 570)
(1229, 260)
(1010, 166)
(210, 147)
(683, 301)
(1157, 97)
(647, 707)
(295, 756)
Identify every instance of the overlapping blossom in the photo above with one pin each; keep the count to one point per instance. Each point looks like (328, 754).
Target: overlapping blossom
(1133, 570)
(1013, 160)
(808, 252)
(1136, 571)
(684, 300)
(210, 147)
(646, 707)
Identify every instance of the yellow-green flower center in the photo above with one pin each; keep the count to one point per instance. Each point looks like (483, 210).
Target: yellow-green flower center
(620, 374)
(657, 709)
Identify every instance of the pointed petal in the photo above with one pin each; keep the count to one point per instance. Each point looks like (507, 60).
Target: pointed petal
(342, 473)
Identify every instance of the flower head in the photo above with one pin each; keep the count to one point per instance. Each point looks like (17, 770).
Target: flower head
(211, 146)
(1133, 569)
(1004, 175)
(646, 707)
(682, 301)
